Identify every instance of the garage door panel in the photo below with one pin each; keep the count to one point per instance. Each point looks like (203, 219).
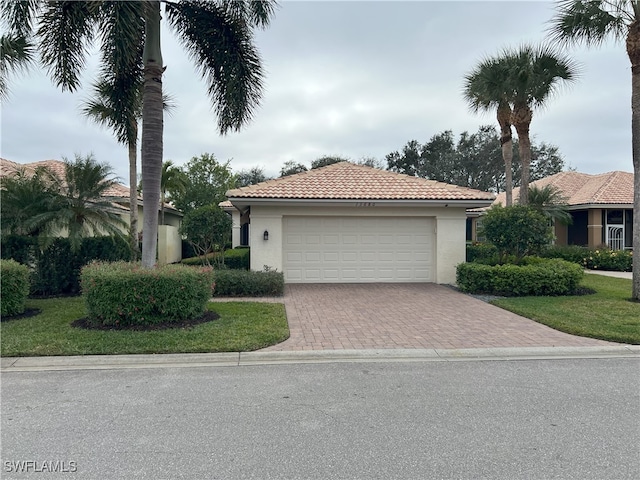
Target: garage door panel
(358, 249)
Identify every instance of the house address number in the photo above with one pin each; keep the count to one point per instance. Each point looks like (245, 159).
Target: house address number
(365, 204)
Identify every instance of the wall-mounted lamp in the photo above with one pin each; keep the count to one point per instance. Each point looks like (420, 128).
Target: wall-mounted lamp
(265, 235)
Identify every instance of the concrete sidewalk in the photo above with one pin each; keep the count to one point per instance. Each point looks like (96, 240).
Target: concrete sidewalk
(628, 275)
(236, 359)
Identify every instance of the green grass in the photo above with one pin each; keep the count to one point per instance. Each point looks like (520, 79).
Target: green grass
(608, 314)
(242, 326)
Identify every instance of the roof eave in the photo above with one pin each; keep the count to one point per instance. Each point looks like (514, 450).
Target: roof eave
(242, 202)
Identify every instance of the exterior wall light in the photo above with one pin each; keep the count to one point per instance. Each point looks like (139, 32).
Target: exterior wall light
(265, 235)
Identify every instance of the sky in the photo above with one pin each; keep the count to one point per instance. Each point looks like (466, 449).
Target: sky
(354, 79)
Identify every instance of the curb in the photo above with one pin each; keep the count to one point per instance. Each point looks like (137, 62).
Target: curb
(239, 359)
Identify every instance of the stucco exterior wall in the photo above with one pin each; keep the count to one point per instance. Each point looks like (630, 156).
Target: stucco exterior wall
(169, 245)
(449, 236)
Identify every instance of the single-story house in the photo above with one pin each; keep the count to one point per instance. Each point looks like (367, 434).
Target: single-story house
(347, 223)
(601, 207)
(169, 241)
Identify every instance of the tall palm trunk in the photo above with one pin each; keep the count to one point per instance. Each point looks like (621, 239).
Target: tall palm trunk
(633, 50)
(133, 199)
(152, 125)
(522, 116)
(506, 142)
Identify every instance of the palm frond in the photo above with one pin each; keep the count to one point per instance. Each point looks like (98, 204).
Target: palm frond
(221, 45)
(257, 13)
(66, 33)
(19, 17)
(591, 22)
(17, 54)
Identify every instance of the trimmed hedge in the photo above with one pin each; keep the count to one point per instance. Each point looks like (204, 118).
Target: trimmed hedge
(15, 287)
(123, 294)
(536, 277)
(481, 251)
(593, 259)
(56, 270)
(238, 258)
(239, 283)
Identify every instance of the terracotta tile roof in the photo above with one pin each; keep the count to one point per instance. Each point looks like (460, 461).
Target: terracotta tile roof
(577, 188)
(347, 181)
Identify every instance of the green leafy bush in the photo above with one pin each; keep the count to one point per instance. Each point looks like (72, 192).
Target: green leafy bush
(534, 278)
(242, 283)
(605, 259)
(481, 251)
(517, 230)
(123, 294)
(593, 259)
(56, 269)
(14, 278)
(237, 259)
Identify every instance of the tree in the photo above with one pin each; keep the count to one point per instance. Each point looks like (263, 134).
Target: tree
(473, 161)
(208, 229)
(80, 207)
(518, 230)
(207, 182)
(550, 202)
(172, 180)
(592, 22)
(327, 160)
(16, 55)
(534, 74)
(217, 34)
(23, 196)
(254, 175)
(372, 162)
(291, 168)
(484, 90)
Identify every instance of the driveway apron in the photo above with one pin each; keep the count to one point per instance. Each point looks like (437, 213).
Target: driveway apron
(420, 315)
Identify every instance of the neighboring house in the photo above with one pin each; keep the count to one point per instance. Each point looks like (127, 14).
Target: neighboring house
(601, 207)
(169, 240)
(348, 223)
(118, 193)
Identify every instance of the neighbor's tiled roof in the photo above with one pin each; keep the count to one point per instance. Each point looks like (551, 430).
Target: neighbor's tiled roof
(577, 188)
(347, 181)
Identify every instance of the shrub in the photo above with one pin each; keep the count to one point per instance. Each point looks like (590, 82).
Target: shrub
(207, 229)
(123, 294)
(237, 259)
(56, 269)
(15, 287)
(238, 283)
(481, 251)
(570, 253)
(517, 230)
(536, 277)
(605, 259)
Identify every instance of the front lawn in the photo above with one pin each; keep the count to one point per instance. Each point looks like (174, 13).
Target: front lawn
(607, 315)
(242, 326)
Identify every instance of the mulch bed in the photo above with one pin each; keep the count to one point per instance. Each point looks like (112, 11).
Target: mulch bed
(207, 316)
(29, 312)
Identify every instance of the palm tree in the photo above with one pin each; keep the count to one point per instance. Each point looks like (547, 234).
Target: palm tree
(80, 206)
(16, 54)
(591, 23)
(173, 180)
(106, 108)
(550, 202)
(534, 74)
(218, 35)
(24, 195)
(485, 90)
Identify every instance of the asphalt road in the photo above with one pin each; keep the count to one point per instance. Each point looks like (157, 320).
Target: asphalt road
(524, 419)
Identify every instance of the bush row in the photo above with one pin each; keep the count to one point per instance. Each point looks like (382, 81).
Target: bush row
(238, 283)
(15, 287)
(122, 293)
(237, 258)
(593, 259)
(56, 270)
(536, 277)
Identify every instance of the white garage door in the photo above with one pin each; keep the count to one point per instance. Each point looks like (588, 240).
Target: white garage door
(358, 249)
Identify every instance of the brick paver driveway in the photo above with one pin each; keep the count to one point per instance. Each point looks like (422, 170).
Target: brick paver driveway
(372, 316)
